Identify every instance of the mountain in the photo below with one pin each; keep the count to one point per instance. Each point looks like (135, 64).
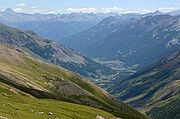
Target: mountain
(156, 13)
(79, 17)
(52, 52)
(22, 76)
(134, 41)
(85, 39)
(55, 30)
(175, 12)
(51, 26)
(155, 89)
(10, 16)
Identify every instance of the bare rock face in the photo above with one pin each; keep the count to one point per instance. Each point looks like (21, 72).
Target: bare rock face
(52, 52)
(99, 117)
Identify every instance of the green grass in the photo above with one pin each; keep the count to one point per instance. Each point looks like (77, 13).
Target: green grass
(48, 81)
(170, 110)
(15, 106)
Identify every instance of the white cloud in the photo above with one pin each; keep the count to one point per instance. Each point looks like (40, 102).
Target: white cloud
(17, 9)
(51, 12)
(168, 9)
(34, 7)
(95, 10)
(81, 10)
(107, 10)
(21, 5)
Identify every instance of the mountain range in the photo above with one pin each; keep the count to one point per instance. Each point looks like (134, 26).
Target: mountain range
(52, 52)
(25, 74)
(136, 40)
(155, 89)
(108, 36)
(51, 26)
(136, 58)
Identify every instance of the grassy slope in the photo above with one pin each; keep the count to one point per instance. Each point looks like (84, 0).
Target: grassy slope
(52, 52)
(169, 110)
(155, 90)
(16, 106)
(48, 81)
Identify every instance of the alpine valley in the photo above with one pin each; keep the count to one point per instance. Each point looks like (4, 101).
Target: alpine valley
(30, 87)
(52, 64)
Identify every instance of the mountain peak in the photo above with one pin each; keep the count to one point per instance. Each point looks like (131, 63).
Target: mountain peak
(9, 10)
(157, 12)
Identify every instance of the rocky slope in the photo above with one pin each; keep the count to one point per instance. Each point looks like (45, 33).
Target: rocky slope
(20, 73)
(86, 39)
(19, 105)
(140, 42)
(52, 52)
(136, 40)
(155, 89)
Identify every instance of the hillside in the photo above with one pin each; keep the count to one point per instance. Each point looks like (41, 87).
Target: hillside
(140, 42)
(18, 105)
(52, 52)
(155, 89)
(132, 39)
(84, 40)
(46, 81)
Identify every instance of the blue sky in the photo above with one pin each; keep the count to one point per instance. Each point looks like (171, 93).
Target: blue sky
(54, 6)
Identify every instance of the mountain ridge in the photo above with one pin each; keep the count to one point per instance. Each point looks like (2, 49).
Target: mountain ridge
(42, 80)
(51, 52)
(154, 89)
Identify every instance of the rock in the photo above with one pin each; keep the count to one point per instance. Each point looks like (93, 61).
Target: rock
(99, 117)
(9, 104)
(50, 113)
(62, 78)
(31, 110)
(4, 94)
(40, 112)
(1, 117)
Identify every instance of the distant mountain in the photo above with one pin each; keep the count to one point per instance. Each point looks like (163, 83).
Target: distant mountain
(155, 89)
(55, 30)
(80, 17)
(174, 13)
(157, 12)
(134, 40)
(51, 26)
(82, 41)
(22, 78)
(10, 16)
(52, 52)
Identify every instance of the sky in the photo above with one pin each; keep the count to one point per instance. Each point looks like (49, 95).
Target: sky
(68, 6)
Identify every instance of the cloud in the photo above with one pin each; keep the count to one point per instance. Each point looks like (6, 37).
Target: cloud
(168, 9)
(107, 10)
(95, 10)
(21, 5)
(34, 7)
(51, 12)
(17, 9)
(81, 9)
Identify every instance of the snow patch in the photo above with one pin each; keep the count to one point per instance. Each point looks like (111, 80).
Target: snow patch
(174, 41)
